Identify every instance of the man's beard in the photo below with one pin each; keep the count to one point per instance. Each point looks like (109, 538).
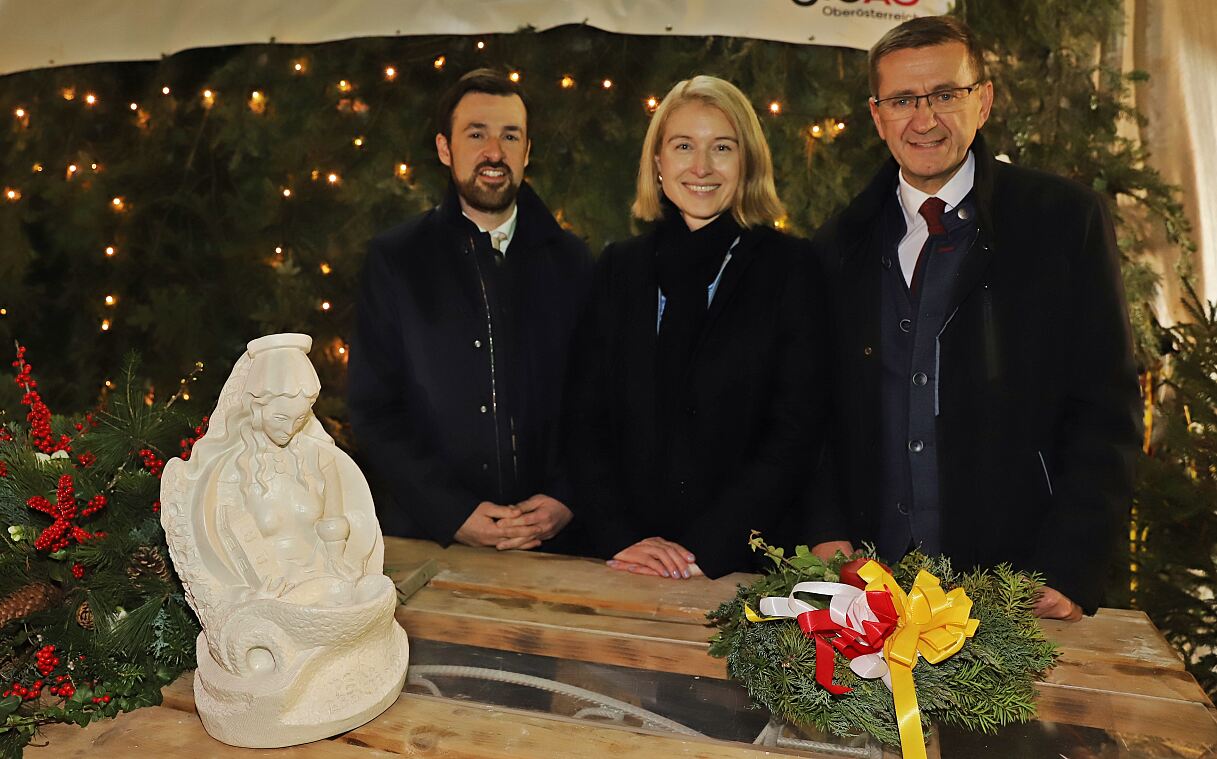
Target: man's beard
(485, 199)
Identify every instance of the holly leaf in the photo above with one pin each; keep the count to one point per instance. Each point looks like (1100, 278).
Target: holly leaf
(8, 705)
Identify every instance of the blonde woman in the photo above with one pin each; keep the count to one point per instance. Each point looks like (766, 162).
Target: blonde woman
(693, 405)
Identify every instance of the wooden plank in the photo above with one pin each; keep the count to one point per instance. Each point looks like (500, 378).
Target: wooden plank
(164, 733)
(584, 582)
(1127, 713)
(580, 633)
(1114, 635)
(438, 727)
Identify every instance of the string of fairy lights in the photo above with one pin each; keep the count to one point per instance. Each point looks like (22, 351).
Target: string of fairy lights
(257, 101)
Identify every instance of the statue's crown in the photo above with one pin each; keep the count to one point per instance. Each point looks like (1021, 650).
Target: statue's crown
(304, 343)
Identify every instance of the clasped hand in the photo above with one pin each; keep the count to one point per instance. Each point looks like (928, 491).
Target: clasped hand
(522, 526)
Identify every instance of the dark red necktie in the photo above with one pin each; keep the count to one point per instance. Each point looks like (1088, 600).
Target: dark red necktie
(931, 210)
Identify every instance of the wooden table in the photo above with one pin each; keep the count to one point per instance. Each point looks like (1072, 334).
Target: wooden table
(1119, 691)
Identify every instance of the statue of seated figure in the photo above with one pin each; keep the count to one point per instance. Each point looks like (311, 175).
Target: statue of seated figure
(272, 529)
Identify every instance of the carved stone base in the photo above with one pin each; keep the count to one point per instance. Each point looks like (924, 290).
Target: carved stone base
(307, 672)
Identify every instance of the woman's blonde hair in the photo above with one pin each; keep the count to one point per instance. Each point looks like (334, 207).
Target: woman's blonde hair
(756, 199)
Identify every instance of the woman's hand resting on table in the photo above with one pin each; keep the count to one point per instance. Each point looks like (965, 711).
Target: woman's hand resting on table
(657, 557)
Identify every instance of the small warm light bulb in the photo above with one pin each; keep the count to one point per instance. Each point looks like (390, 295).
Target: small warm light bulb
(298, 67)
(117, 203)
(325, 305)
(514, 76)
(326, 269)
(357, 142)
(91, 99)
(133, 106)
(19, 113)
(439, 62)
(12, 194)
(71, 169)
(165, 90)
(332, 178)
(37, 168)
(3, 312)
(109, 384)
(93, 166)
(110, 300)
(256, 96)
(344, 85)
(390, 73)
(779, 223)
(110, 251)
(278, 250)
(481, 45)
(775, 108)
(567, 82)
(607, 84)
(287, 193)
(403, 170)
(840, 126)
(816, 130)
(652, 103)
(185, 396)
(105, 325)
(69, 93)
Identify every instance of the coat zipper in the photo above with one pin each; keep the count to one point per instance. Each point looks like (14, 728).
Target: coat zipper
(494, 397)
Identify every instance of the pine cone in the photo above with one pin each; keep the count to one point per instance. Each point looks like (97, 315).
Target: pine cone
(147, 560)
(27, 600)
(84, 616)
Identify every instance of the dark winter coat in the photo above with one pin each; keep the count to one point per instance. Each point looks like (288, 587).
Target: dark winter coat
(1037, 420)
(457, 366)
(750, 425)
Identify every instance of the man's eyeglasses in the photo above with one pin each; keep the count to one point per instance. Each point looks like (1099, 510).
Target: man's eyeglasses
(940, 101)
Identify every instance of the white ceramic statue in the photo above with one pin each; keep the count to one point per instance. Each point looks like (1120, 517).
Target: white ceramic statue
(272, 530)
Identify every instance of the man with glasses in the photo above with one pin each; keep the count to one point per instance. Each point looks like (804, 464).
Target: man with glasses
(986, 401)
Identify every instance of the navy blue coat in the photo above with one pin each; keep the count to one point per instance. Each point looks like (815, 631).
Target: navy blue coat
(457, 365)
(1038, 397)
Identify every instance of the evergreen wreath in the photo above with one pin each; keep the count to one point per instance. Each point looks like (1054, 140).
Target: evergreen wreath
(93, 621)
(990, 682)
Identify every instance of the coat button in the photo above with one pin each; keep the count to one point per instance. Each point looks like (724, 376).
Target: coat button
(963, 214)
(485, 467)
(887, 262)
(482, 409)
(916, 446)
(902, 508)
(906, 325)
(477, 343)
(867, 351)
(919, 379)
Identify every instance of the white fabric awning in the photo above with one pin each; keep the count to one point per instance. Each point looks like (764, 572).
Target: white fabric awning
(38, 33)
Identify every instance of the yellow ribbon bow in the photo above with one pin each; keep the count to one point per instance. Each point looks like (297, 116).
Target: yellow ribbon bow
(932, 623)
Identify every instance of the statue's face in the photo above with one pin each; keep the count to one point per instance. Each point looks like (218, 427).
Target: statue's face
(284, 416)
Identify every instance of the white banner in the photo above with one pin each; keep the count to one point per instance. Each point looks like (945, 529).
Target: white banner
(37, 33)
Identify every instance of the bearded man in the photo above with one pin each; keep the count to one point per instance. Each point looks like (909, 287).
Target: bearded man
(459, 357)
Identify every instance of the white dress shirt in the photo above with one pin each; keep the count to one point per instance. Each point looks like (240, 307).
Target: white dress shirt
(915, 230)
(503, 233)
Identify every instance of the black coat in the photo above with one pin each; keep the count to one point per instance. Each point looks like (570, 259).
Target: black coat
(457, 366)
(1038, 408)
(751, 417)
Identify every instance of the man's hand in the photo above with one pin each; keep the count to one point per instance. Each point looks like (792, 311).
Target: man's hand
(544, 515)
(656, 556)
(1052, 604)
(484, 528)
(827, 550)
